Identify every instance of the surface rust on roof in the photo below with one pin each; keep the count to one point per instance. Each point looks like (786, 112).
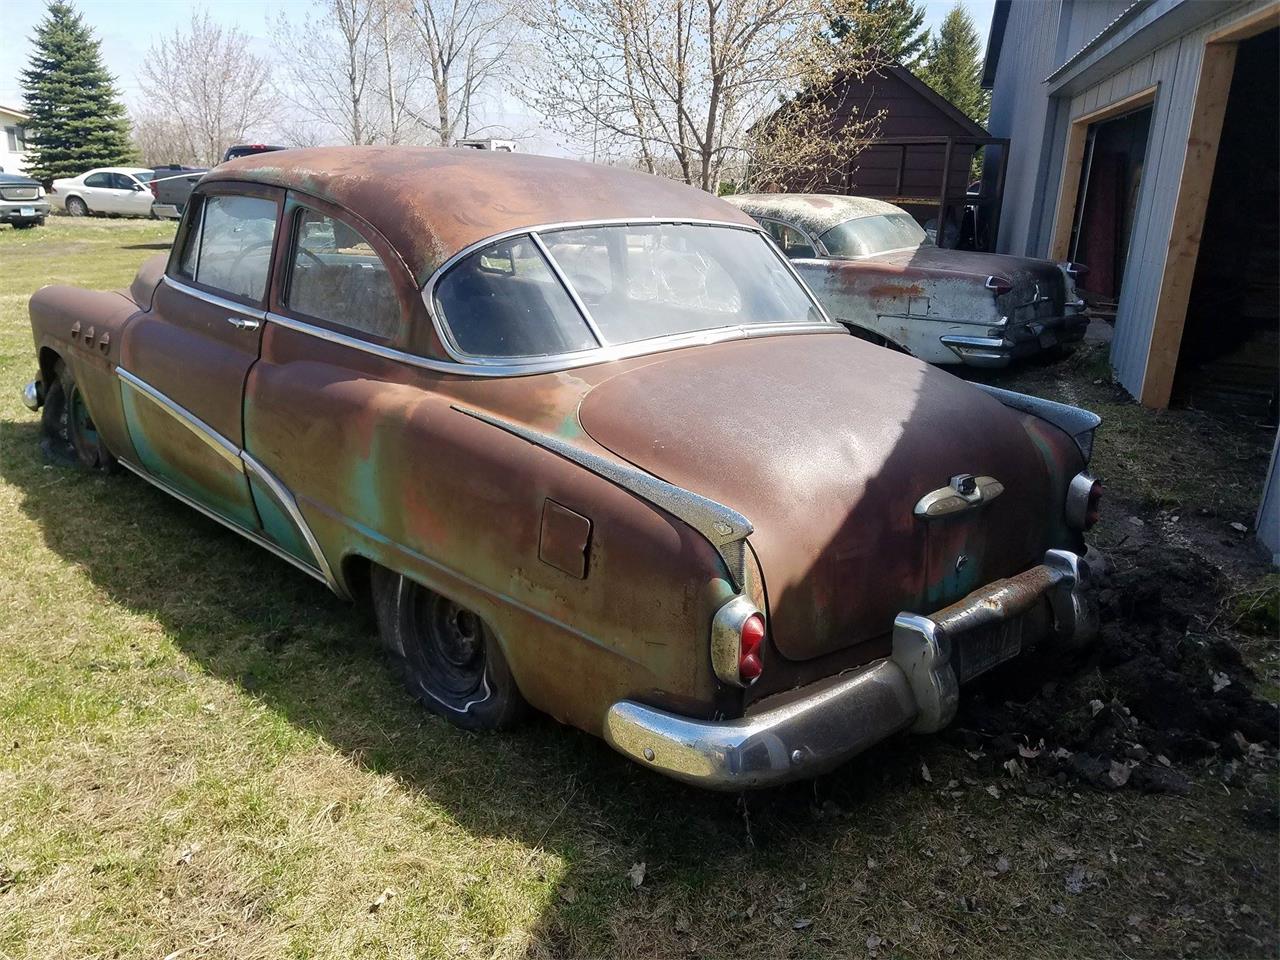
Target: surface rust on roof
(431, 202)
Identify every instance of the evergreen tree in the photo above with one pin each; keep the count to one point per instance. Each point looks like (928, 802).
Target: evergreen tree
(892, 28)
(953, 66)
(77, 120)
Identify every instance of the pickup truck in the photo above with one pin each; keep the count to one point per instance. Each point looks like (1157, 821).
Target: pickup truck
(171, 186)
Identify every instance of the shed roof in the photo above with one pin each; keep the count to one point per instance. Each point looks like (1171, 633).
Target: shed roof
(431, 202)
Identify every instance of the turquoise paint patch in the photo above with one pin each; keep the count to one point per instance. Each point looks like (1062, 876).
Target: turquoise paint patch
(569, 427)
(277, 524)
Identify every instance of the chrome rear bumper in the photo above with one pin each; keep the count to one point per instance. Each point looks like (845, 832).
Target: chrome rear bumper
(915, 687)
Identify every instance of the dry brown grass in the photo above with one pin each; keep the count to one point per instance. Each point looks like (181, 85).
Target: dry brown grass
(202, 755)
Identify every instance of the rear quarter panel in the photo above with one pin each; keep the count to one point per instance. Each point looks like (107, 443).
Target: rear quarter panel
(384, 468)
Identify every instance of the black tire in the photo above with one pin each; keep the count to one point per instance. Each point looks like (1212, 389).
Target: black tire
(70, 433)
(77, 207)
(453, 663)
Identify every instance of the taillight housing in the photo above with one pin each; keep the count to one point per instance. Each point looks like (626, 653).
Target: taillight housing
(737, 642)
(1000, 285)
(1077, 270)
(154, 192)
(1084, 501)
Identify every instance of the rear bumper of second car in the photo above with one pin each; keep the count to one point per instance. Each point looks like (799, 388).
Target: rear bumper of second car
(820, 726)
(1020, 340)
(23, 211)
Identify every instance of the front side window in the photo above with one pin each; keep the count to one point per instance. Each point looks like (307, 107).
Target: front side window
(635, 281)
(868, 236)
(793, 244)
(228, 247)
(338, 277)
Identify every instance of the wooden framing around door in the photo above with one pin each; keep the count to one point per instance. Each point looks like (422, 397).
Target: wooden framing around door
(1212, 90)
(1073, 164)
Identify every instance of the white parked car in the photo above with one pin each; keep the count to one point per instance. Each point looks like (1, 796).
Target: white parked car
(120, 190)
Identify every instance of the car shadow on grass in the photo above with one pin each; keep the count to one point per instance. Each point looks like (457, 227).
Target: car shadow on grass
(247, 618)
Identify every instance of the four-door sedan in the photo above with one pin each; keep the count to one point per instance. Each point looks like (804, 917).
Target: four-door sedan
(119, 190)
(875, 271)
(586, 443)
(22, 201)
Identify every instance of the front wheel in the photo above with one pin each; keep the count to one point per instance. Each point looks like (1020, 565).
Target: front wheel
(70, 433)
(453, 662)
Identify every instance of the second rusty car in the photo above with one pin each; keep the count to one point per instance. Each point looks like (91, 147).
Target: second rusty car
(587, 444)
(876, 271)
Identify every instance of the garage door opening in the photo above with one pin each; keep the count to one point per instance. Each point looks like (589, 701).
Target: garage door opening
(1114, 157)
(1230, 351)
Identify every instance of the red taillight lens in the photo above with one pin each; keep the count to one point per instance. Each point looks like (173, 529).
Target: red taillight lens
(1093, 509)
(154, 191)
(749, 665)
(1000, 285)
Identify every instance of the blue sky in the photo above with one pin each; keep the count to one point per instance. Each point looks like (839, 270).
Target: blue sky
(127, 29)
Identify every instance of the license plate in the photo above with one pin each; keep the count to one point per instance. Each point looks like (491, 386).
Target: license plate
(976, 652)
(26, 211)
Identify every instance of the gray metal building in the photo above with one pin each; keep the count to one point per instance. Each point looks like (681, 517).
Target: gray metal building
(1144, 143)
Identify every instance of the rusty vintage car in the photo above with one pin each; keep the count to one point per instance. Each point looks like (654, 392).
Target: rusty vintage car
(587, 444)
(875, 270)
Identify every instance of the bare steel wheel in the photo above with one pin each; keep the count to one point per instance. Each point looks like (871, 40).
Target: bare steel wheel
(453, 662)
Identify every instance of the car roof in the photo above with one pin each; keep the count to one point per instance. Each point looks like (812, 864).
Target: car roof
(432, 202)
(117, 170)
(16, 178)
(815, 212)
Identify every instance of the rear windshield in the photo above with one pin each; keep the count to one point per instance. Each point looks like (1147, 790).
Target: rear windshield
(633, 282)
(144, 175)
(867, 236)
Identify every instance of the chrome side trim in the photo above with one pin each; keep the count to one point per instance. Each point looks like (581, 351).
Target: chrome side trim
(554, 364)
(230, 525)
(290, 505)
(220, 444)
(724, 528)
(222, 302)
(1078, 423)
(244, 462)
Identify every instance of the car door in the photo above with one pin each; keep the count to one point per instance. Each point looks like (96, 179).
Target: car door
(98, 193)
(185, 361)
(132, 197)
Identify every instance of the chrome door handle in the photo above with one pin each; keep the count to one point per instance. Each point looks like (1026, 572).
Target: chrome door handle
(242, 323)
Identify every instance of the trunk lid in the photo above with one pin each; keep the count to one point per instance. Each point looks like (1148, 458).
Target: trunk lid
(826, 443)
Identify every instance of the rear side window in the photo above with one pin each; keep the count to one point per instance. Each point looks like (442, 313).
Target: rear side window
(505, 301)
(793, 243)
(338, 277)
(229, 246)
(98, 180)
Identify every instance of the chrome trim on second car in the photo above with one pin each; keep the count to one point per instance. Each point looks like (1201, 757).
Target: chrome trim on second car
(724, 528)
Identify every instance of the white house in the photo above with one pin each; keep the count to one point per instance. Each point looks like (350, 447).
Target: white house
(13, 139)
(1145, 143)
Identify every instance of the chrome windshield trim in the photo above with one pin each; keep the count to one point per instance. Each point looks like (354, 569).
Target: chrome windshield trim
(290, 505)
(724, 528)
(553, 364)
(220, 444)
(256, 312)
(564, 361)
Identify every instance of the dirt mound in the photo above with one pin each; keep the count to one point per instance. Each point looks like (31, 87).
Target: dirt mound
(1160, 688)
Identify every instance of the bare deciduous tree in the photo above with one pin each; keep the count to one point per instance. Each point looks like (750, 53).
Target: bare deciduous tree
(206, 88)
(464, 45)
(685, 84)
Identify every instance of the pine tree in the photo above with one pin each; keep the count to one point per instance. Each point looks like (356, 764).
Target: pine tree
(953, 66)
(892, 28)
(77, 120)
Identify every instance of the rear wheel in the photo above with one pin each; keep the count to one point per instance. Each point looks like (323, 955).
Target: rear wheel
(453, 662)
(77, 207)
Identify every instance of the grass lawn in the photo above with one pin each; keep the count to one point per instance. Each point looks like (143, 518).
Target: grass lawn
(202, 754)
